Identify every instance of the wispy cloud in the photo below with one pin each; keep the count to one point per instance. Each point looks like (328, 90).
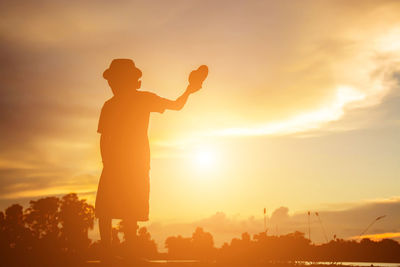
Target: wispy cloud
(379, 236)
(345, 96)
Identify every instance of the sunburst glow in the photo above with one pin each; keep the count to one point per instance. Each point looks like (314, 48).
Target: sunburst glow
(205, 158)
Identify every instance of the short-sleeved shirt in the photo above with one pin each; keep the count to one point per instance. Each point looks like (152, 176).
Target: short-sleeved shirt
(125, 120)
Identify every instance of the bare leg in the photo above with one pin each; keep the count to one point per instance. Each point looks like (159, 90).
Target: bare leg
(105, 231)
(130, 240)
(131, 229)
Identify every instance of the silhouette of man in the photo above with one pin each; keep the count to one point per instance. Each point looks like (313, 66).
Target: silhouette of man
(123, 191)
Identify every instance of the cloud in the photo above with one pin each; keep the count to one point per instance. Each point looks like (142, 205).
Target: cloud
(280, 215)
(17, 184)
(373, 71)
(345, 223)
(379, 236)
(276, 68)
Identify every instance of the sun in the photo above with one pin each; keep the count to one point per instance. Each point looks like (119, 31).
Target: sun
(205, 158)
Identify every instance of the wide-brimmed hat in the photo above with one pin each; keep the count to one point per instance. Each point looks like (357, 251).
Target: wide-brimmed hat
(122, 67)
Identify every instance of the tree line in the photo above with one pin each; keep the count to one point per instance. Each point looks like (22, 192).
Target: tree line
(53, 230)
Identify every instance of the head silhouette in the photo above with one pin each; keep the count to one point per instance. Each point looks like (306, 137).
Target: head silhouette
(123, 76)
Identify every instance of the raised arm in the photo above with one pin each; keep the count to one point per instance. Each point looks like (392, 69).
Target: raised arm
(181, 101)
(196, 79)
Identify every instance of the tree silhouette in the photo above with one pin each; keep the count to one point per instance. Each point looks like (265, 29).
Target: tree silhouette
(146, 246)
(3, 241)
(76, 218)
(179, 247)
(14, 230)
(200, 246)
(138, 244)
(48, 231)
(203, 244)
(42, 218)
(54, 232)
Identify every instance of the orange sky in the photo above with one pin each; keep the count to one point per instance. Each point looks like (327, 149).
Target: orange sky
(300, 109)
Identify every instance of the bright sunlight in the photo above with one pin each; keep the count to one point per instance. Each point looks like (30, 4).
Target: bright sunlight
(205, 158)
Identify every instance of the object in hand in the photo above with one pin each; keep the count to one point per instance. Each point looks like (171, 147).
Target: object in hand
(197, 77)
